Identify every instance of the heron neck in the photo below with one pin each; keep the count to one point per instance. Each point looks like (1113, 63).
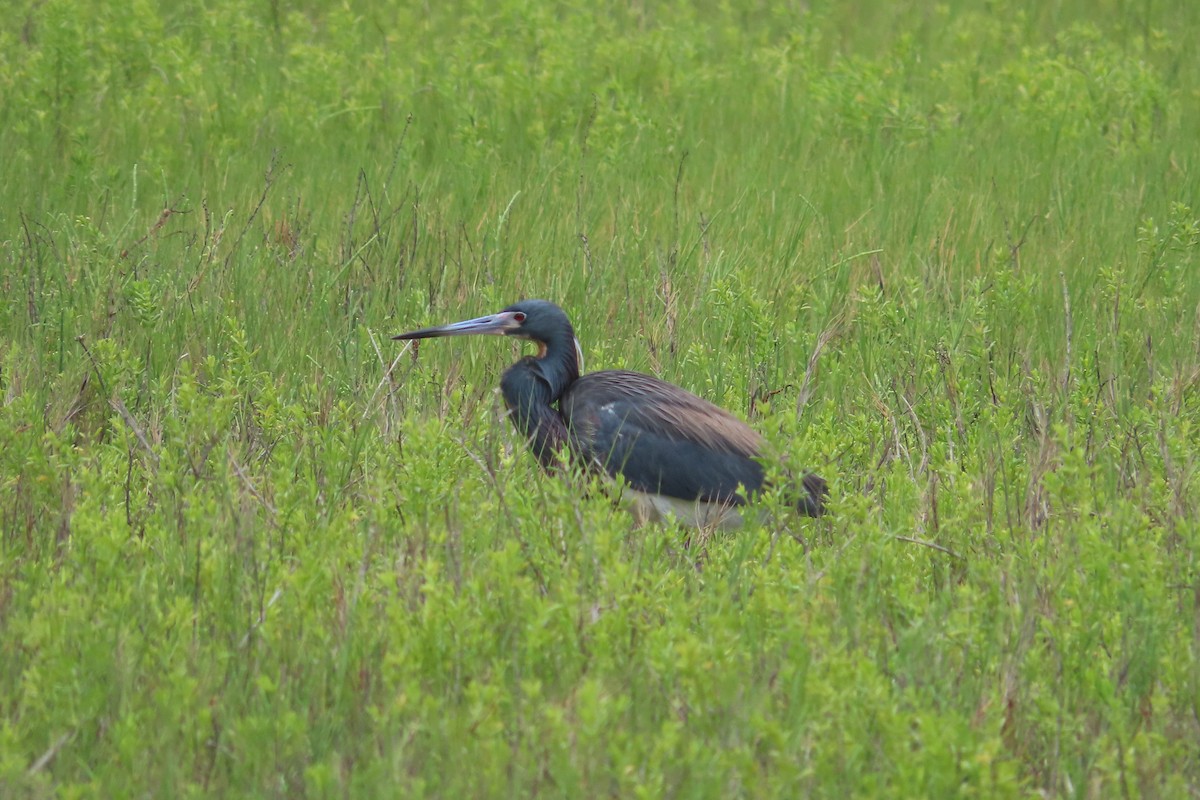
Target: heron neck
(530, 390)
(558, 365)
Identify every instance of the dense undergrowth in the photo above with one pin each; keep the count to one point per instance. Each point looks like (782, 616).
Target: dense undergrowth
(945, 255)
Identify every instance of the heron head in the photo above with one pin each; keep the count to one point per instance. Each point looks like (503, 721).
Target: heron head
(537, 320)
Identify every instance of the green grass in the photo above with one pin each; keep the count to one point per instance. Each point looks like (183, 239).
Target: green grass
(947, 255)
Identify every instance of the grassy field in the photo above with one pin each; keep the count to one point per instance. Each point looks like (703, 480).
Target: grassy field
(948, 255)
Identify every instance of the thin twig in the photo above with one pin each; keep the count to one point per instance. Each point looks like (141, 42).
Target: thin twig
(251, 488)
(912, 414)
(931, 545)
(46, 757)
(95, 366)
(120, 408)
(268, 182)
(261, 617)
(166, 214)
(821, 574)
(823, 338)
(1070, 331)
(372, 406)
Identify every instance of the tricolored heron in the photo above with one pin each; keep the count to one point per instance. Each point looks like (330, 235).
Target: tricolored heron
(681, 455)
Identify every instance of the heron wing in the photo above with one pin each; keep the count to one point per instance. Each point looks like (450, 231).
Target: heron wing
(661, 438)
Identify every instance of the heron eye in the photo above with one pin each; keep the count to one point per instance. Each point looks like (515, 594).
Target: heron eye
(519, 316)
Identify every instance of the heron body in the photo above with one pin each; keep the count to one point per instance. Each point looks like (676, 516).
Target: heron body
(680, 455)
